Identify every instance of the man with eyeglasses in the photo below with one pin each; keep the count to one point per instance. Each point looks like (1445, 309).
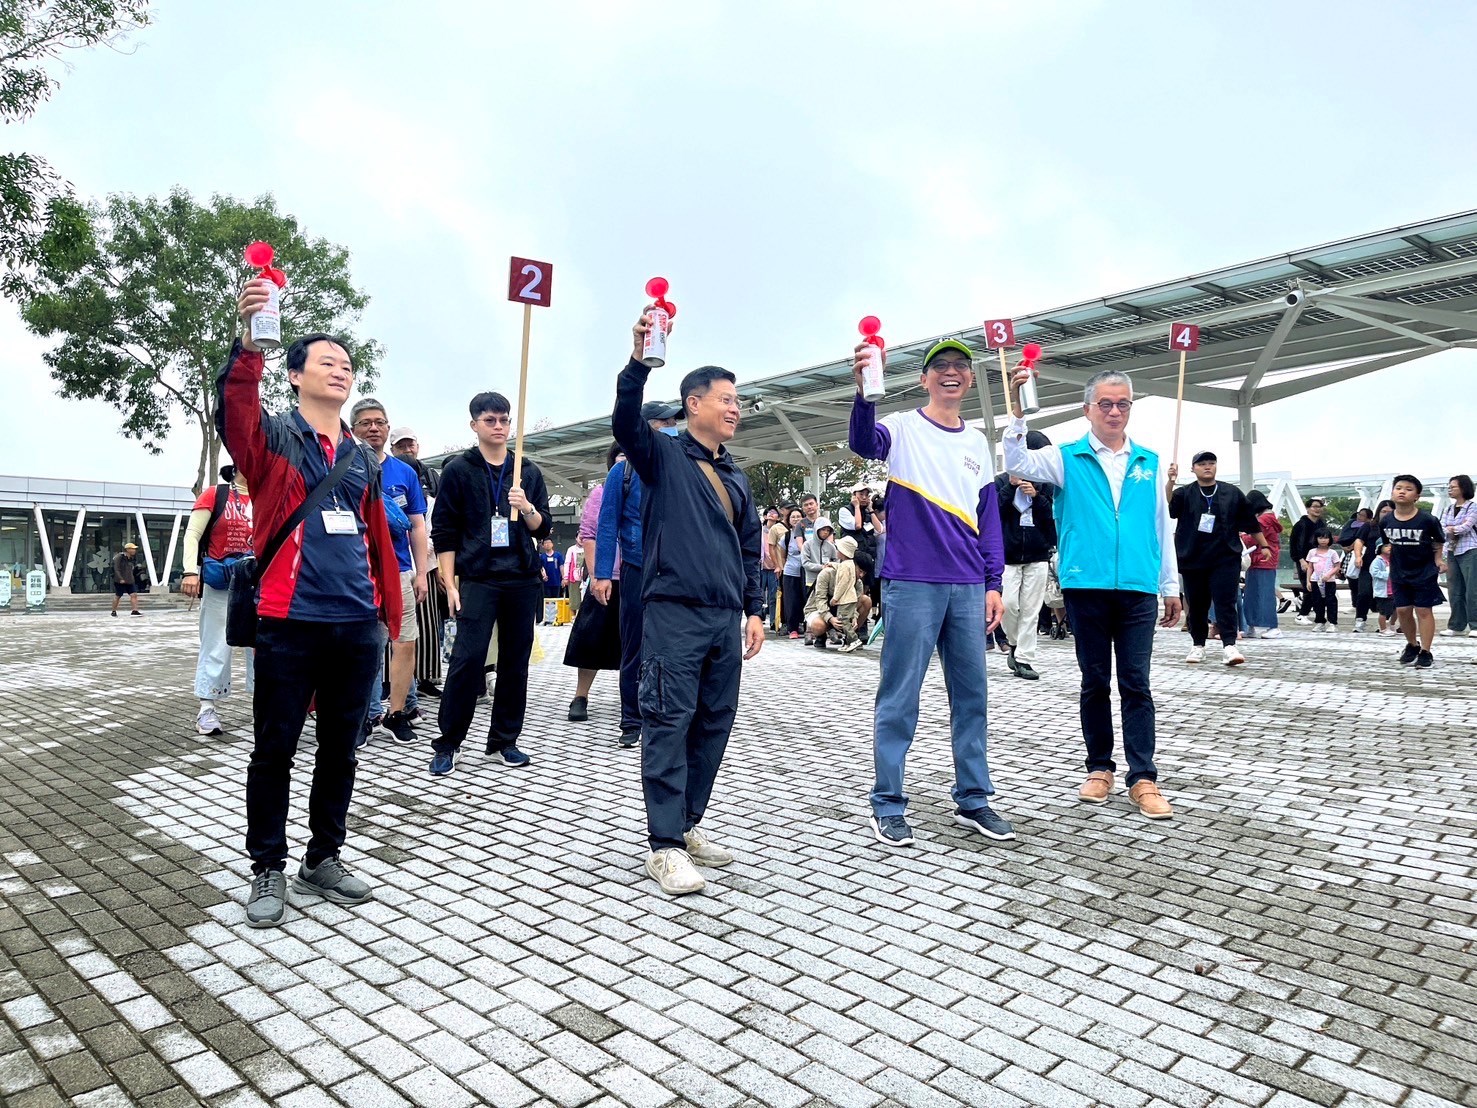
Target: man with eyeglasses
(1115, 543)
(945, 560)
(402, 487)
(488, 564)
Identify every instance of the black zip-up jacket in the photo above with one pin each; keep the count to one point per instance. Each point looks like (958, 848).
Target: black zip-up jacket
(1302, 537)
(1233, 518)
(691, 553)
(1025, 544)
(462, 519)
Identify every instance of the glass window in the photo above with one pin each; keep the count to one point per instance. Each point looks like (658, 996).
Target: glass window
(102, 537)
(19, 551)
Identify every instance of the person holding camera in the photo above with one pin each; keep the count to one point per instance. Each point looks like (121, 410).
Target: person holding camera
(324, 602)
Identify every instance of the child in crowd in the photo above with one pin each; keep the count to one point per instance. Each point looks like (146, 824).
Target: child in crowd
(1384, 597)
(1322, 565)
(1416, 541)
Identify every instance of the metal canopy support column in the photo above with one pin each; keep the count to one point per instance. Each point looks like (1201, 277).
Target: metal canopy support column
(143, 533)
(1268, 355)
(45, 547)
(813, 482)
(72, 549)
(1243, 431)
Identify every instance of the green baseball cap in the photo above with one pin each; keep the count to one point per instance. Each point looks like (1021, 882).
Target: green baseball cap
(947, 344)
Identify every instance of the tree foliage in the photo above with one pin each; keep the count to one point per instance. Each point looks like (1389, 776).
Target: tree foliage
(779, 484)
(34, 37)
(141, 294)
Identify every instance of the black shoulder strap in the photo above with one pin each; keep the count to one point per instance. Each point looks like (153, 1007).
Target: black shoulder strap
(311, 501)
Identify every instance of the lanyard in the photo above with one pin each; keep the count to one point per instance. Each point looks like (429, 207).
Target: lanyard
(1209, 500)
(496, 490)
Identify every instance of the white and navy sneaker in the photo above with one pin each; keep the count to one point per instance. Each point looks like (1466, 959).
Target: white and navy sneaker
(892, 830)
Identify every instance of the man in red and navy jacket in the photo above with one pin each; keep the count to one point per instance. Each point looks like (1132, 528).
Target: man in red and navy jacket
(325, 605)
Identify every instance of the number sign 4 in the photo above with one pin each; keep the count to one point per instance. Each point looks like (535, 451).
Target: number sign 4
(530, 282)
(999, 333)
(1184, 337)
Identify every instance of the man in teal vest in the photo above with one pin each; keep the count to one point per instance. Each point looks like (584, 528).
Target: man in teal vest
(1115, 547)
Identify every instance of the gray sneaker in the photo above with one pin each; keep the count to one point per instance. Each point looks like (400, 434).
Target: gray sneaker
(332, 881)
(268, 902)
(892, 830)
(987, 822)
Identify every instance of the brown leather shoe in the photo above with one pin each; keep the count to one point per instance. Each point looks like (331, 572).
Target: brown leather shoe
(1146, 797)
(1096, 788)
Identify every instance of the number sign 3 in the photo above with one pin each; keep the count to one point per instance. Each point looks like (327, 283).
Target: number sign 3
(530, 282)
(1184, 336)
(999, 333)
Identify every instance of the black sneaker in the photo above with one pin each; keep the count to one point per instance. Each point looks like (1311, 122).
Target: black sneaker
(820, 642)
(892, 830)
(629, 739)
(1423, 660)
(987, 822)
(579, 709)
(1010, 662)
(1410, 654)
(399, 726)
(1283, 605)
(428, 688)
(1023, 669)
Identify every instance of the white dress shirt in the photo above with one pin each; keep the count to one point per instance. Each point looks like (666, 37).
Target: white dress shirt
(1045, 466)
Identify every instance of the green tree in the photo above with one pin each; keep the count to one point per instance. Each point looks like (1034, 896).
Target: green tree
(778, 483)
(141, 293)
(34, 37)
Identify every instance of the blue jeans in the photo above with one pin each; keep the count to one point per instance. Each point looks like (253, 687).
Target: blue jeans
(769, 587)
(919, 617)
(1108, 623)
(1261, 597)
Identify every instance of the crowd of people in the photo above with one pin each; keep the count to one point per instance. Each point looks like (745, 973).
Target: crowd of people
(361, 572)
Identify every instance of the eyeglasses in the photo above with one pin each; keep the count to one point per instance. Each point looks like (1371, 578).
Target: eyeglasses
(372, 423)
(1107, 406)
(938, 365)
(495, 420)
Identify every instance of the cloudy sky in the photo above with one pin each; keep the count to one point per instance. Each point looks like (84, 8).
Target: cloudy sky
(790, 167)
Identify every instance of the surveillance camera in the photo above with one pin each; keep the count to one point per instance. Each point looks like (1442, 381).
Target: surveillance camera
(758, 405)
(1294, 297)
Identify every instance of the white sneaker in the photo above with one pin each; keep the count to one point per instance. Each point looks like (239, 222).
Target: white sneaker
(1233, 656)
(1472, 633)
(1358, 626)
(1448, 633)
(208, 722)
(1270, 633)
(1303, 619)
(1197, 654)
(672, 869)
(704, 851)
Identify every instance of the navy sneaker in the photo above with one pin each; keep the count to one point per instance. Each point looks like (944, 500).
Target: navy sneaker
(511, 757)
(443, 763)
(892, 830)
(987, 822)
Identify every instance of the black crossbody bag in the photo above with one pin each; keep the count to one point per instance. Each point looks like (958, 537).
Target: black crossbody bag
(247, 572)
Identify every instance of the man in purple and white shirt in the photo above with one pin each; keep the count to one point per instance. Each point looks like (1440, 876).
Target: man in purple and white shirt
(945, 558)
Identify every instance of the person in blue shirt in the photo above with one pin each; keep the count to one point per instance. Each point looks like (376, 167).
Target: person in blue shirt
(551, 563)
(620, 528)
(402, 488)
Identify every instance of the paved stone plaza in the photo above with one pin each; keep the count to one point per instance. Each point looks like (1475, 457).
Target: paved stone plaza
(1301, 934)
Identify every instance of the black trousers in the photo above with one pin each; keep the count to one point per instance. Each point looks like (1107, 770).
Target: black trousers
(1363, 595)
(1218, 583)
(1108, 623)
(1305, 605)
(631, 619)
(794, 602)
(298, 662)
(513, 606)
(691, 659)
(1325, 602)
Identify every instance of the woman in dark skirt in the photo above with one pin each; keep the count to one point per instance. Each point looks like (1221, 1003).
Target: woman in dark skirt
(595, 638)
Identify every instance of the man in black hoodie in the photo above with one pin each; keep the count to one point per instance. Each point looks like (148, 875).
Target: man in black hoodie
(700, 576)
(1029, 531)
(489, 567)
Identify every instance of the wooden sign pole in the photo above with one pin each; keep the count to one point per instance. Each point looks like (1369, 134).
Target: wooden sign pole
(523, 400)
(1179, 403)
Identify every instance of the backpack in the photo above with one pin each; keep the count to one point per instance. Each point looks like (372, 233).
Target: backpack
(222, 495)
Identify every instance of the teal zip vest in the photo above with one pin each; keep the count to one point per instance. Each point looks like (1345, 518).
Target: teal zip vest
(1100, 546)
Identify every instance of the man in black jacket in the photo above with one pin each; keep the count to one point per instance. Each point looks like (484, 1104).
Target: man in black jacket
(489, 567)
(700, 576)
(1207, 538)
(1029, 531)
(1301, 542)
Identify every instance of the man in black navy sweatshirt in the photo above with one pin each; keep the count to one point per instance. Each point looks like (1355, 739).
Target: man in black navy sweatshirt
(702, 604)
(488, 564)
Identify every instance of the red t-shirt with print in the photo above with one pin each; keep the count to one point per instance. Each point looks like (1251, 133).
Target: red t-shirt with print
(232, 531)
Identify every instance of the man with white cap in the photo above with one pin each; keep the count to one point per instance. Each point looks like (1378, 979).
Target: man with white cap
(405, 446)
(125, 577)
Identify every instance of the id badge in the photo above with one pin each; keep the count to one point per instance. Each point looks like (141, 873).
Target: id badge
(339, 522)
(499, 531)
(1028, 519)
(1207, 522)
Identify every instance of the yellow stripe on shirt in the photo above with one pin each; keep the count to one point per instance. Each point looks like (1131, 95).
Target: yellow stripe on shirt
(968, 517)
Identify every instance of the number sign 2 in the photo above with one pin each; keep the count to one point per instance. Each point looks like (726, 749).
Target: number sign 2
(999, 333)
(1184, 336)
(530, 282)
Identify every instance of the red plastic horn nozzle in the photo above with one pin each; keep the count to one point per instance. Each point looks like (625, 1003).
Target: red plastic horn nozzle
(259, 254)
(657, 288)
(869, 326)
(1029, 353)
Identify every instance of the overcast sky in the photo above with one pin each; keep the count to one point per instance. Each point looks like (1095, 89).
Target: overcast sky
(790, 167)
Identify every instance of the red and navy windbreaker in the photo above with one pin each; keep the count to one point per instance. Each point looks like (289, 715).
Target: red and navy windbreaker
(316, 576)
